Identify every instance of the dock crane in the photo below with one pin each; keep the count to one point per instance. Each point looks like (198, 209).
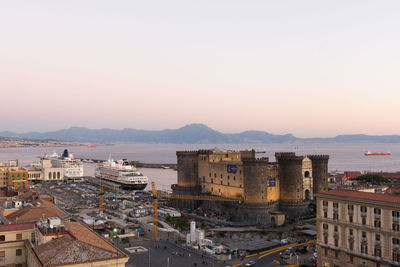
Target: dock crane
(155, 197)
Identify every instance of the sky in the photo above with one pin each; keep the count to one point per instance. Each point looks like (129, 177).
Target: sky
(310, 68)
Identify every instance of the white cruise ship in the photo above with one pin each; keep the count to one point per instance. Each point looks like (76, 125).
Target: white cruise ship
(73, 168)
(122, 173)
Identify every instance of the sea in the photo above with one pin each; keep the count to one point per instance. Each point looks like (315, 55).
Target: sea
(343, 157)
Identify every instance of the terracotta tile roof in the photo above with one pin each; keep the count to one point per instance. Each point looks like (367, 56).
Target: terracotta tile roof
(84, 234)
(67, 250)
(363, 195)
(17, 226)
(41, 208)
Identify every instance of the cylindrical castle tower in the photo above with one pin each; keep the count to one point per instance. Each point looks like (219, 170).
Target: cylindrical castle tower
(291, 176)
(254, 175)
(320, 172)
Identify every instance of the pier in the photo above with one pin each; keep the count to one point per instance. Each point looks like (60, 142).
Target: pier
(138, 164)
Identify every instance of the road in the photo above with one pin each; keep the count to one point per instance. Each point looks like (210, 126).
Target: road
(167, 254)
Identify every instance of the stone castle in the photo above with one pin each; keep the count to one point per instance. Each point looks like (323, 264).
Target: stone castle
(287, 185)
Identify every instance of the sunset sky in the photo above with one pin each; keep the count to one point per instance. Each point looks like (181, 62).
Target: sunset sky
(310, 68)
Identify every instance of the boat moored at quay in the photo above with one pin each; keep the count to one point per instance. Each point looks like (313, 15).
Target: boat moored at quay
(123, 173)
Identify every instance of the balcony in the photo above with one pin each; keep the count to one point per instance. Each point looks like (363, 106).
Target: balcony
(395, 219)
(364, 240)
(325, 231)
(325, 208)
(377, 216)
(363, 214)
(377, 242)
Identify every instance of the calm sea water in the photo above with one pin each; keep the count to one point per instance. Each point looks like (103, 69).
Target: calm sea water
(342, 156)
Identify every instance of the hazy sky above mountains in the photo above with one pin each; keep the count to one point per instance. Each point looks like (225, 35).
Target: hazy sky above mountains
(311, 68)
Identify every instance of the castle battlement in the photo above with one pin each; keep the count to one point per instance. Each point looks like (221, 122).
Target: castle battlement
(318, 157)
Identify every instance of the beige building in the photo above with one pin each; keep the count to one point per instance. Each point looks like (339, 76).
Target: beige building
(44, 171)
(358, 229)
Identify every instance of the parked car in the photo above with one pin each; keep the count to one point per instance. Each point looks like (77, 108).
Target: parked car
(250, 263)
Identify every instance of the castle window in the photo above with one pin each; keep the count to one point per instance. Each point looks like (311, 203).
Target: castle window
(229, 184)
(234, 178)
(215, 175)
(228, 177)
(240, 185)
(221, 175)
(307, 174)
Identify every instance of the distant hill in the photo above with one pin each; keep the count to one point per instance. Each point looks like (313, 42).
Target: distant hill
(189, 134)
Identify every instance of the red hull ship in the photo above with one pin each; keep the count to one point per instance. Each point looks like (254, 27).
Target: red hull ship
(369, 153)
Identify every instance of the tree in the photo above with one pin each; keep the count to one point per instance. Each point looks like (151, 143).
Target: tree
(374, 179)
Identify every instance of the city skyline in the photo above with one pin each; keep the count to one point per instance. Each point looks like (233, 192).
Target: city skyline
(309, 69)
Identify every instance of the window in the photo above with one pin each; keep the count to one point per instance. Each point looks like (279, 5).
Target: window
(364, 248)
(396, 256)
(18, 236)
(18, 252)
(363, 209)
(326, 240)
(325, 226)
(396, 214)
(351, 259)
(395, 227)
(351, 245)
(350, 219)
(377, 224)
(395, 241)
(335, 205)
(325, 214)
(2, 238)
(335, 228)
(326, 252)
(378, 252)
(336, 216)
(350, 207)
(336, 254)
(2, 255)
(350, 231)
(363, 221)
(49, 175)
(58, 175)
(377, 211)
(364, 235)
(325, 203)
(336, 242)
(378, 237)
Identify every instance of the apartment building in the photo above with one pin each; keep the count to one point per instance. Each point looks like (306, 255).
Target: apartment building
(5, 168)
(358, 229)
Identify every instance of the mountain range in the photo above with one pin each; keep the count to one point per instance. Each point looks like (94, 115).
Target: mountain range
(189, 134)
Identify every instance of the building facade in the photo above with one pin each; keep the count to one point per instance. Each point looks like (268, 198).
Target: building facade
(5, 169)
(18, 180)
(358, 229)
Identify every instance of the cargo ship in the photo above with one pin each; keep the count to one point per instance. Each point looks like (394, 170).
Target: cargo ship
(122, 173)
(369, 153)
